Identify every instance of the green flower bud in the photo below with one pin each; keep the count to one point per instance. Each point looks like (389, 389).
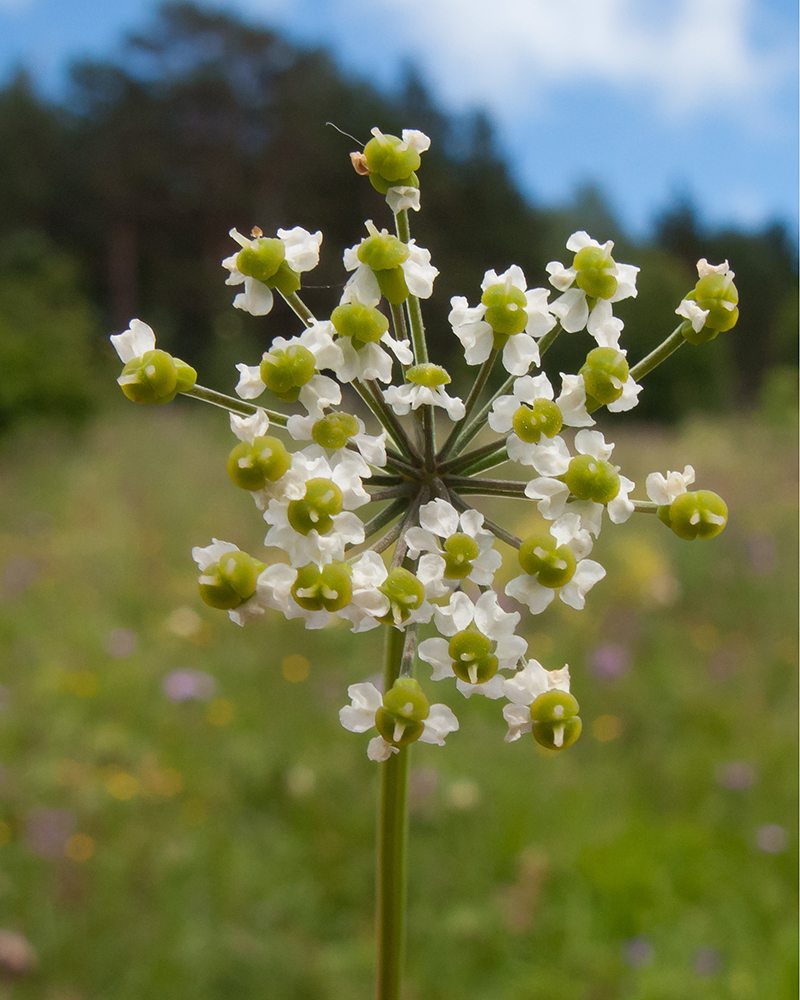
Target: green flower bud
(382, 185)
(286, 370)
(262, 261)
(459, 552)
(593, 265)
(406, 700)
(252, 466)
(505, 311)
(405, 593)
(335, 430)
(701, 514)
(591, 478)
(321, 503)
(427, 374)
(363, 324)
(556, 724)
(388, 161)
(717, 294)
(382, 252)
(400, 720)
(392, 283)
(286, 280)
(604, 375)
(553, 565)
(473, 657)
(543, 417)
(231, 581)
(156, 377)
(325, 589)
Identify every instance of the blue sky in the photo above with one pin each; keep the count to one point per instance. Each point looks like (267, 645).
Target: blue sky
(647, 98)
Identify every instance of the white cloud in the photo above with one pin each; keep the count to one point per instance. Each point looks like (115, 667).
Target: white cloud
(689, 55)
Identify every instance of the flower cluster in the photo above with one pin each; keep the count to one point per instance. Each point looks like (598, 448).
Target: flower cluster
(374, 421)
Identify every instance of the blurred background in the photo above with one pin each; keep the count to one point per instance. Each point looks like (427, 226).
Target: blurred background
(181, 815)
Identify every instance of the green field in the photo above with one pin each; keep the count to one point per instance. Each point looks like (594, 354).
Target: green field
(222, 847)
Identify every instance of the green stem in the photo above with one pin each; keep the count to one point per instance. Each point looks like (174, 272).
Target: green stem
(477, 388)
(399, 322)
(489, 487)
(645, 506)
(233, 405)
(477, 425)
(661, 353)
(501, 533)
(389, 421)
(418, 344)
(383, 517)
(429, 437)
(299, 307)
(392, 837)
(487, 457)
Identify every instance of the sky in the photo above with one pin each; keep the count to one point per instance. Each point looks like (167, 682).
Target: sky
(650, 99)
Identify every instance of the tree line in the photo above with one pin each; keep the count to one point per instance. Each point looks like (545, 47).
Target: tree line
(116, 202)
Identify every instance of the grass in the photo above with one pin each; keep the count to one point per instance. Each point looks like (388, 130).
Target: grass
(223, 848)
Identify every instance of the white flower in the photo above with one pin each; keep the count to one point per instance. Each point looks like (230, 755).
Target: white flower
(552, 494)
(274, 589)
(319, 392)
(572, 308)
(663, 490)
(417, 269)
(301, 250)
(477, 337)
(370, 361)
(135, 342)
(359, 716)
(606, 330)
(372, 447)
(491, 621)
(346, 528)
(411, 396)
(210, 555)
(501, 419)
(439, 519)
(527, 590)
(368, 603)
(523, 689)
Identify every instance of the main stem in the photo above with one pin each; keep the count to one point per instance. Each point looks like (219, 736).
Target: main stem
(392, 836)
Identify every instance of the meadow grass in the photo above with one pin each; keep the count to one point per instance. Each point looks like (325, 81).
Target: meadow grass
(223, 846)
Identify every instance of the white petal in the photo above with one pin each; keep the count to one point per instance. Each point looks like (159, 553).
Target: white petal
(521, 351)
(440, 517)
(415, 139)
(249, 428)
(587, 574)
(629, 397)
(302, 248)
(519, 721)
(136, 341)
(572, 401)
(572, 309)
(400, 348)
(403, 198)
(419, 272)
(435, 652)
(378, 749)
(528, 591)
(593, 443)
(440, 722)
(211, 554)
(256, 298)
